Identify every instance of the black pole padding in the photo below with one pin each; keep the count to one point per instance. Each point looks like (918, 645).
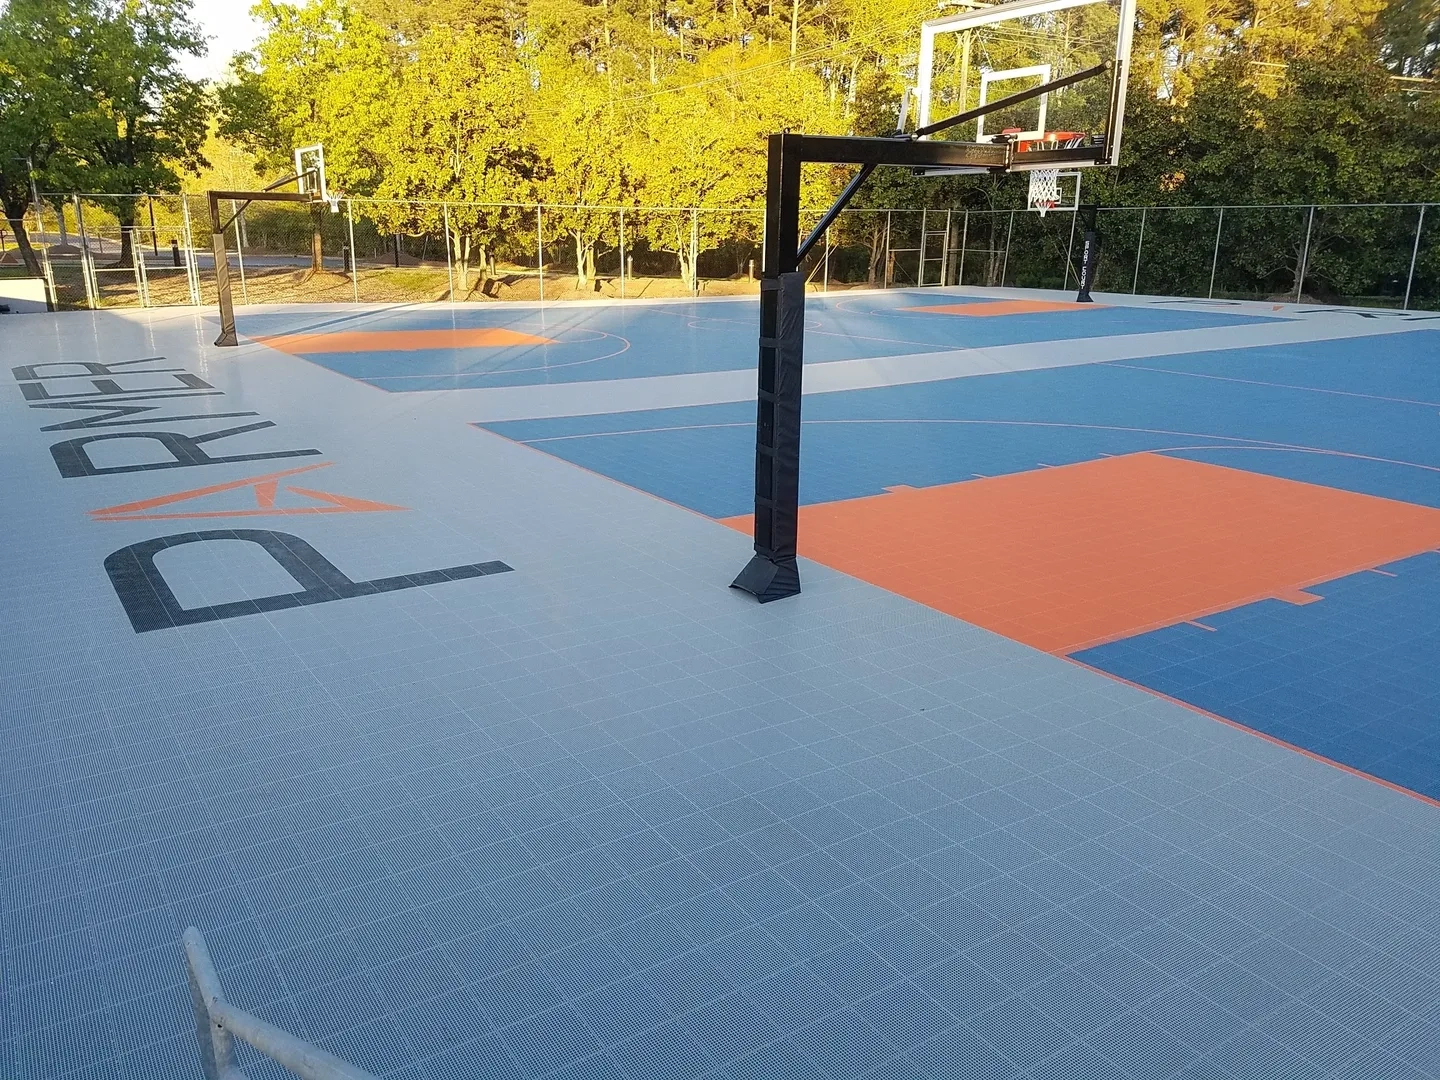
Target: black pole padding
(1089, 254)
(772, 573)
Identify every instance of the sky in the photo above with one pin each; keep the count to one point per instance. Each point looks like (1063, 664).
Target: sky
(228, 25)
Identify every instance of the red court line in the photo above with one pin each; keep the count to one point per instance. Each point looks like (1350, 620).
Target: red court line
(346, 341)
(1321, 758)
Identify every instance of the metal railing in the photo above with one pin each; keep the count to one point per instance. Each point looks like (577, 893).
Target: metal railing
(218, 1024)
(388, 250)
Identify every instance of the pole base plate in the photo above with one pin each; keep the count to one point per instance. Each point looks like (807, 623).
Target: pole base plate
(769, 579)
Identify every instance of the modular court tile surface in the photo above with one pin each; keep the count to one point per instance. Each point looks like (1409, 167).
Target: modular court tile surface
(394, 652)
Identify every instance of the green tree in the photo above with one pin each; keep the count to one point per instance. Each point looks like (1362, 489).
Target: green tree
(41, 45)
(323, 73)
(142, 120)
(458, 132)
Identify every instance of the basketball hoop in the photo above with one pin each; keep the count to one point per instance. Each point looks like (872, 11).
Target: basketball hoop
(1044, 190)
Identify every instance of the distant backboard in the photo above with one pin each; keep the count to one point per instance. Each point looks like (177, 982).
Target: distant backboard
(310, 168)
(985, 53)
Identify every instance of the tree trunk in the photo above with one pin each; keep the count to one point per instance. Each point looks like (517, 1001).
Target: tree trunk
(125, 214)
(582, 278)
(462, 260)
(794, 30)
(22, 241)
(317, 242)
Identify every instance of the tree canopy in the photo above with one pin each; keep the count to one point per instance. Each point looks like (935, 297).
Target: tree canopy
(661, 103)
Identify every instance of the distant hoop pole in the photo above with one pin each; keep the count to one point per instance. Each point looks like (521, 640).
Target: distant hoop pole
(228, 336)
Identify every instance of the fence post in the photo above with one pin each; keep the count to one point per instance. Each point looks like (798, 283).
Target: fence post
(1070, 245)
(142, 279)
(1414, 254)
(825, 285)
(945, 253)
(884, 274)
(1304, 257)
(924, 226)
(1215, 259)
(354, 262)
(449, 273)
(192, 269)
(51, 294)
(964, 239)
(92, 287)
(622, 253)
(240, 251)
(540, 247)
(1135, 281)
(694, 251)
(1005, 262)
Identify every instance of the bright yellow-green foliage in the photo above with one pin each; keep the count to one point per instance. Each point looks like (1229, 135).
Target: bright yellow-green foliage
(652, 104)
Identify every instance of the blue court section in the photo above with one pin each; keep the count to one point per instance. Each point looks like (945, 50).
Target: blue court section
(623, 342)
(1363, 414)
(1283, 410)
(1353, 678)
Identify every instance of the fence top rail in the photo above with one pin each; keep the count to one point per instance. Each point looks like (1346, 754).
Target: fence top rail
(369, 201)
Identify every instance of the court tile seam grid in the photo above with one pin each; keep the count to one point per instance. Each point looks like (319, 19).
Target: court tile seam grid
(602, 817)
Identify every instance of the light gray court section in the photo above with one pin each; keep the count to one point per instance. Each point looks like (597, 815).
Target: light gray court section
(714, 387)
(440, 831)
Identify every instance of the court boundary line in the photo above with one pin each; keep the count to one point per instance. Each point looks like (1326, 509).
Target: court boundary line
(1257, 733)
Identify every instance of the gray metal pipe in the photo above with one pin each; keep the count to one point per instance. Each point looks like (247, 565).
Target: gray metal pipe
(218, 1023)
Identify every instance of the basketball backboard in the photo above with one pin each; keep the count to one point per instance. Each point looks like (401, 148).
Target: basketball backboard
(985, 53)
(310, 171)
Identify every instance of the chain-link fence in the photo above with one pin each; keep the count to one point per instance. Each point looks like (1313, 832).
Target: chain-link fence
(156, 250)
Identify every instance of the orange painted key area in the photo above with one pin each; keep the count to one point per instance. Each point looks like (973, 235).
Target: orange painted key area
(1004, 307)
(1070, 557)
(400, 340)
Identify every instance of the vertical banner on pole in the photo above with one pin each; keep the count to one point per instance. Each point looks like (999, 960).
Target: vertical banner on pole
(1089, 253)
(622, 253)
(694, 250)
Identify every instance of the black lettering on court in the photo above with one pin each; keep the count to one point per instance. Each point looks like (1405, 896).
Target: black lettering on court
(110, 412)
(151, 604)
(72, 459)
(105, 387)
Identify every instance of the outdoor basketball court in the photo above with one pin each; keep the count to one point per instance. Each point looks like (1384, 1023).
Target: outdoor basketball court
(394, 650)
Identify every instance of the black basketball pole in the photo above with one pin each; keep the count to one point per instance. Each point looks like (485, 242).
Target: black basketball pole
(1089, 254)
(772, 573)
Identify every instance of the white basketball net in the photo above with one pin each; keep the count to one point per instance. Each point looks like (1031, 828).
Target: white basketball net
(1044, 189)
